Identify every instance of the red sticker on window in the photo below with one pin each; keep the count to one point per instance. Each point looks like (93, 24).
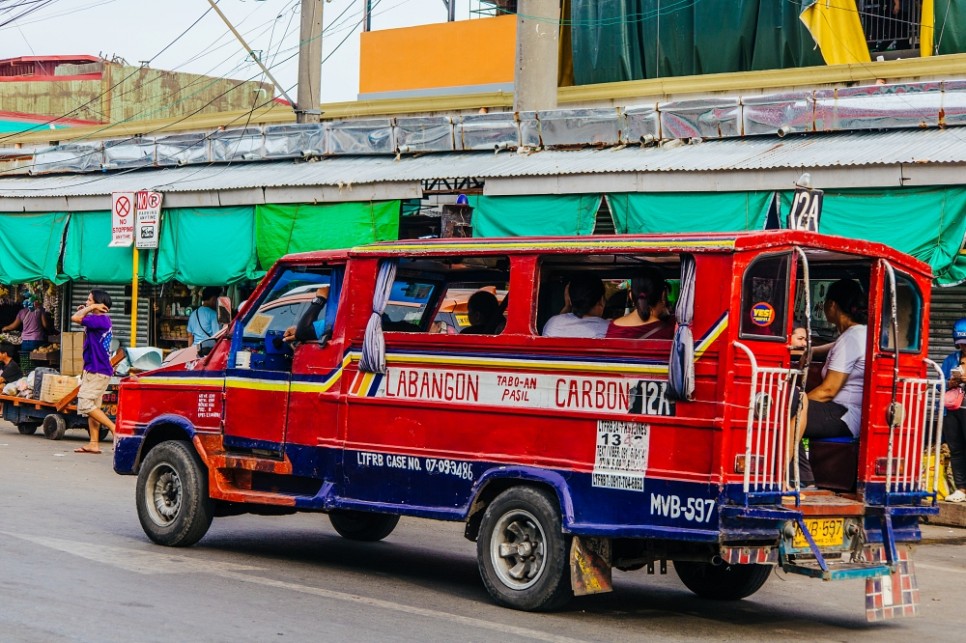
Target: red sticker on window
(762, 314)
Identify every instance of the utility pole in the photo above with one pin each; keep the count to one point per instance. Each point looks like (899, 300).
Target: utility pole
(538, 35)
(308, 108)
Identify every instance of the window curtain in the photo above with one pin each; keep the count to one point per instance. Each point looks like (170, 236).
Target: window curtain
(660, 212)
(373, 358)
(206, 246)
(539, 215)
(928, 223)
(30, 246)
(282, 229)
(681, 365)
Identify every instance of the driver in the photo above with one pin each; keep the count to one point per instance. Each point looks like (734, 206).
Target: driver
(308, 329)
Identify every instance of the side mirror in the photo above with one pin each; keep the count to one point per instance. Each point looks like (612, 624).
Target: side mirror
(206, 346)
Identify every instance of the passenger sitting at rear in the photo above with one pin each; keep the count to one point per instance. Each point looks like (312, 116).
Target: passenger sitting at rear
(483, 311)
(835, 405)
(584, 297)
(650, 318)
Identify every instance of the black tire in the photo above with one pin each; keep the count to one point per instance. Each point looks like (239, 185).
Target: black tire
(28, 428)
(362, 525)
(172, 495)
(722, 582)
(54, 426)
(522, 551)
(102, 434)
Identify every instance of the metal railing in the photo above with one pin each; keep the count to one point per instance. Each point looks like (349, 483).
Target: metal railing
(914, 430)
(771, 447)
(891, 25)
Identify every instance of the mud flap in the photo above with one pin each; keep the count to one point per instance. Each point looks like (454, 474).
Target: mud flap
(895, 595)
(590, 566)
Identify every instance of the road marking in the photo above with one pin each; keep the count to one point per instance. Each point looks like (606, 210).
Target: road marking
(150, 562)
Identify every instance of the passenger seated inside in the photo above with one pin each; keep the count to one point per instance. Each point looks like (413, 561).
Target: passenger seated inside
(583, 307)
(309, 328)
(485, 316)
(835, 405)
(650, 316)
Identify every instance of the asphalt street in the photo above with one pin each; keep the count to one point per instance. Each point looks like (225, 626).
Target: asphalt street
(75, 566)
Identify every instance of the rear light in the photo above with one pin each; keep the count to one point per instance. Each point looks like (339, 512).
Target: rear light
(882, 464)
(755, 460)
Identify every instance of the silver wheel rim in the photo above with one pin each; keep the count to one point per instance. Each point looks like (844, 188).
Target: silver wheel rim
(164, 494)
(518, 549)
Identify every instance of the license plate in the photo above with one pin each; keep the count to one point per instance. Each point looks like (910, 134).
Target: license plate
(826, 532)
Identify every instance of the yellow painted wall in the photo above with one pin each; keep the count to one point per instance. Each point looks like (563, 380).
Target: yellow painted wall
(449, 54)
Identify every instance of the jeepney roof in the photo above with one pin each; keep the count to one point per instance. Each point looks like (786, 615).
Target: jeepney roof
(728, 242)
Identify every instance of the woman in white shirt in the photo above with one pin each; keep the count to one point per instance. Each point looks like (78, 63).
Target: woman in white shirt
(835, 405)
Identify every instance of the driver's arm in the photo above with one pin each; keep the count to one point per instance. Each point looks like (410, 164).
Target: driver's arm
(307, 331)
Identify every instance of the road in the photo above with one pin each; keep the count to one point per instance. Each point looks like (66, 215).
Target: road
(75, 566)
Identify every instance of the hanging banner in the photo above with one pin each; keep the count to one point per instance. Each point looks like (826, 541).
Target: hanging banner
(122, 219)
(147, 224)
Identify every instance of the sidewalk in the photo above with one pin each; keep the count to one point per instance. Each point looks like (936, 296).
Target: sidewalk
(949, 527)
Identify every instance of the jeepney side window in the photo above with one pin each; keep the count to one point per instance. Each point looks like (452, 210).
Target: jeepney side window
(432, 295)
(764, 296)
(908, 315)
(263, 328)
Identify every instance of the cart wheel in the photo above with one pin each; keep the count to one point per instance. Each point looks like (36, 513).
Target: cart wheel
(27, 428)
(54, 426)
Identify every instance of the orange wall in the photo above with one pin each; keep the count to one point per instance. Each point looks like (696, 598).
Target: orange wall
(449, 54)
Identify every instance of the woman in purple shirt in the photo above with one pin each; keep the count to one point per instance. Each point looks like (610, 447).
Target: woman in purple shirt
(97, 365)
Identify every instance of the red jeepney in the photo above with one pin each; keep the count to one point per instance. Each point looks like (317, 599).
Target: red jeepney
(565, 457)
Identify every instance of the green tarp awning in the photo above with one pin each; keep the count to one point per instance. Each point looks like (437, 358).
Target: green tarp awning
(928, 223)
(206, 246)
(30, 246)
(538, 215)
(660, 212)
(949, 26)
(282, 229)
(87, 255)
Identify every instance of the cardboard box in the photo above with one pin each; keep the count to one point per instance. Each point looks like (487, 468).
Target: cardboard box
(55, 387)
(72, 353)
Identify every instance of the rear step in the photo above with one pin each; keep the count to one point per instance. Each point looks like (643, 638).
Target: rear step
(835, 569)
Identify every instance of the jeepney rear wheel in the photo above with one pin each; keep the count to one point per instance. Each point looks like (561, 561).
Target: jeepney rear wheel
(172, 495)
(28, 428)
(722, 582)
(522, 551)
(362, 525)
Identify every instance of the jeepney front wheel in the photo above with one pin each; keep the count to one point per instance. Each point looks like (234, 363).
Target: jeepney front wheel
(362, 525)
(522, 551)
(722, 582)
(172, 495)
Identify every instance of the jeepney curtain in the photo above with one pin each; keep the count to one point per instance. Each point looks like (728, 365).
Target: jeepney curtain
(206, 246)
(373, 358)
(87, 255)
(928, 223)
(283, 229)
(681, 367)
(30, 246)
(537, 215)
(661, 212)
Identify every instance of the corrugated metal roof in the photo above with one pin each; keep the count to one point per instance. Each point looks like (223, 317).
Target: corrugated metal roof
(857, 149)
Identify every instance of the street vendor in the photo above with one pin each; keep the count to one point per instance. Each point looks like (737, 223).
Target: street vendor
(34, 324)
(10, 369)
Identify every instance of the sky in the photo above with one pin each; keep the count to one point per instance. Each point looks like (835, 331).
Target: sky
(162, 32)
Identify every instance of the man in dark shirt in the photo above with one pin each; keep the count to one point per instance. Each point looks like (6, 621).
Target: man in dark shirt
(10, 371)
